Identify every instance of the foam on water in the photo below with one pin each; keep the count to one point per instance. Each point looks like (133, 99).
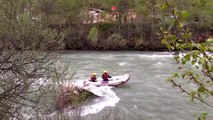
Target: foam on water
(106, 98)
(158, 64)
(156, 56)
(122, 63)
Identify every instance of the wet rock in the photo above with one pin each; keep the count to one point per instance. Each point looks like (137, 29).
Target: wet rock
(71, 95)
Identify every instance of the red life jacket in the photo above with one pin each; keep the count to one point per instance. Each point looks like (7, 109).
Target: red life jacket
(105, 76)
(93, 78)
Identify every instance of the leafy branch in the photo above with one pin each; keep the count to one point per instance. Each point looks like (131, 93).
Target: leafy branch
(196, 65)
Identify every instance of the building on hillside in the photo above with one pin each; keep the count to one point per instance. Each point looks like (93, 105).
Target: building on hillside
(97, 16)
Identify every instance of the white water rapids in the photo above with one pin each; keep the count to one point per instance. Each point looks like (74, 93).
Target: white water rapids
(106, 98)
(147, 96)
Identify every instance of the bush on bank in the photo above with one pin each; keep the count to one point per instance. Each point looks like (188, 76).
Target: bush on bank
(128, 36)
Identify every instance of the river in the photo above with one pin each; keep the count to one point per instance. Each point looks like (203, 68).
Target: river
(147, 96)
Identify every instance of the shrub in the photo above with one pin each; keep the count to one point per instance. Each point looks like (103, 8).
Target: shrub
(113, 40)
(93, 36)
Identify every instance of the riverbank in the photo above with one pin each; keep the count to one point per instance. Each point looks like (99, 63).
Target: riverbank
(128, 36)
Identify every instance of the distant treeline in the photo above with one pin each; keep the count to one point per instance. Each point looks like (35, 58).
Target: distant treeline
(128, 36)
(100, 24)
(118, 24)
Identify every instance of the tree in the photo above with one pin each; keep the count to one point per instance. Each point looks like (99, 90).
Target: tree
(24, 60)
(196, 65)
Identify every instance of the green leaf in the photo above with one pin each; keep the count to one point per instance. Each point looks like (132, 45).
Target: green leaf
(187, 57)
(181, 25)
(173, 38)
(164, 7)
(204, 115)
(184, 14)
(194, 55)
(211, 92)
(164, 41)
(201, 89)
(169, 79)
(202, 62)
(184, 60)
(193, 61)
(183, 75)
(176, 75)
(192, 95)
(211, 68)
(165, 32)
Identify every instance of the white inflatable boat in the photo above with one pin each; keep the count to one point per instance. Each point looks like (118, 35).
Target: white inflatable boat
(113, 81)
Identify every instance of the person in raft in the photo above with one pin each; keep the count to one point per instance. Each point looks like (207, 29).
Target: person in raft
(105, 76)
(93, 77)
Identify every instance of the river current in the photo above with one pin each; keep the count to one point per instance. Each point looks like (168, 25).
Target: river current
(147, 96)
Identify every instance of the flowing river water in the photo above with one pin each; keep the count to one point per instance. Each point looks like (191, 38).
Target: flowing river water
(147, 96)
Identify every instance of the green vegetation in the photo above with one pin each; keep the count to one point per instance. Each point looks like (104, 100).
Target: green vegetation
(30, 29)
(196, 65)
(93, 36)
(25, 61)
(134, 20)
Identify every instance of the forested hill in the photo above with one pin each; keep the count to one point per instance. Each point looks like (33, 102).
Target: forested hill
(114, 24)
